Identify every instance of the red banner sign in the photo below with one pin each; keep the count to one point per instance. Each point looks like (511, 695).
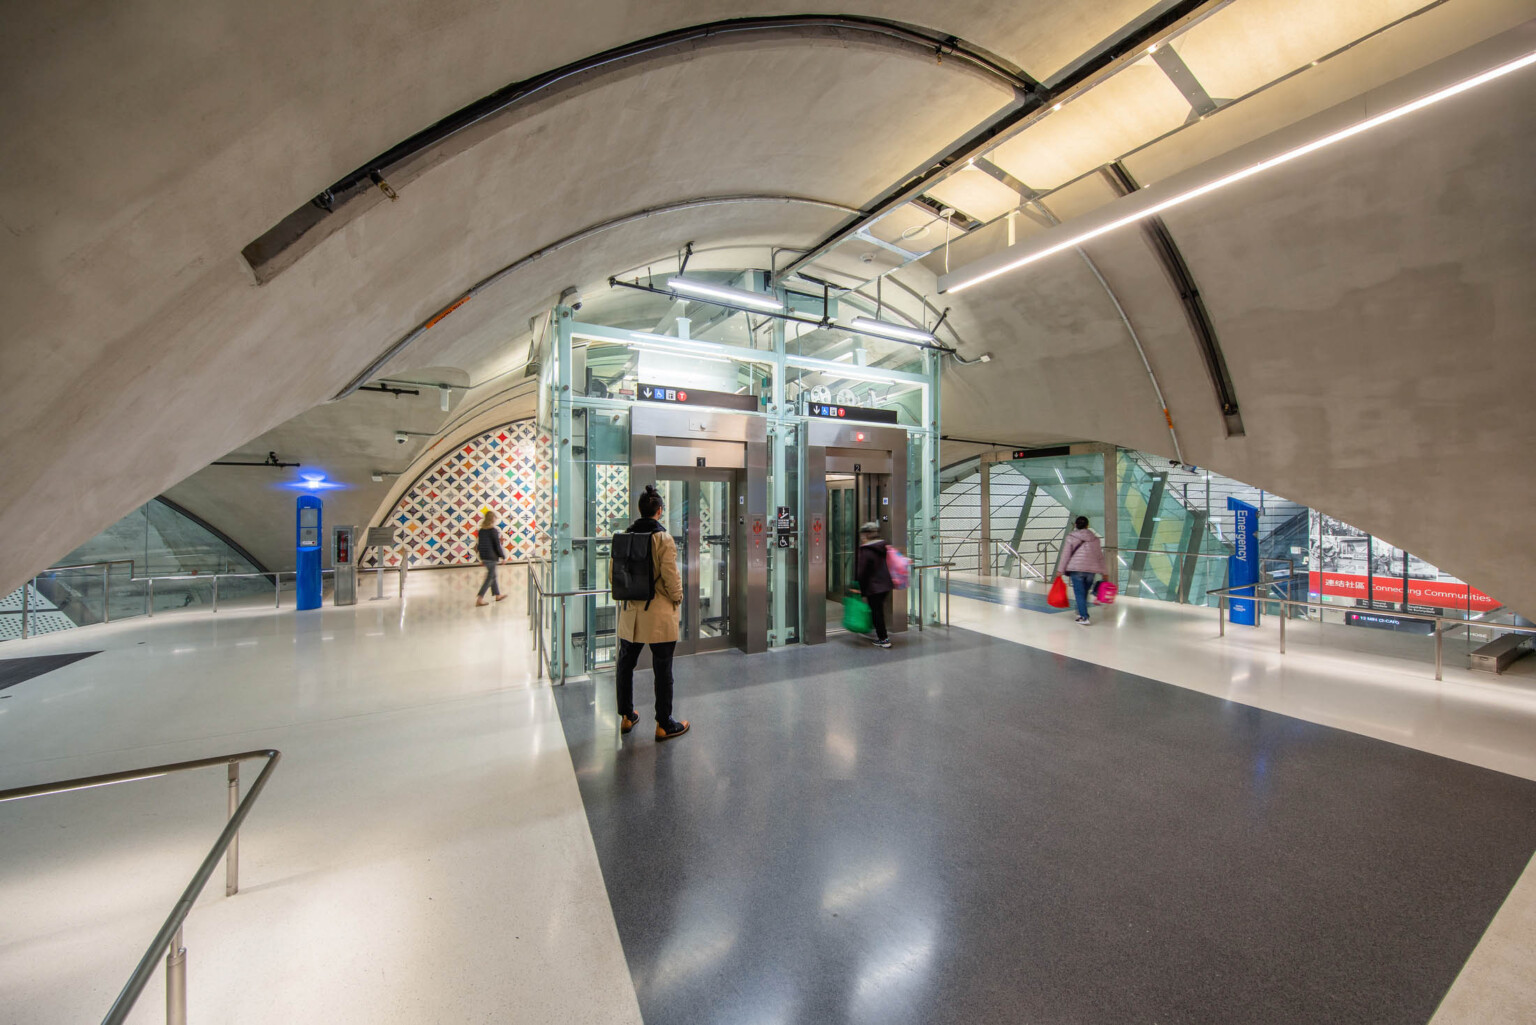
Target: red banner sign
(1431, 593)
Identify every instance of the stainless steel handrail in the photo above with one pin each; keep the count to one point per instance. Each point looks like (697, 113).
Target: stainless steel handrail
(106, 584)
(536, 619)
(168, 939)
(1225, 594)
(921, 605)
(1153, 551)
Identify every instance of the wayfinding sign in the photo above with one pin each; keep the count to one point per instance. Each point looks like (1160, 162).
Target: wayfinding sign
(1243, 563)
(675, 396)
(831, 412)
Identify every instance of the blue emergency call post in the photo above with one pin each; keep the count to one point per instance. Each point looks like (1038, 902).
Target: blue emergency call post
(1243, 563)
(307, 526)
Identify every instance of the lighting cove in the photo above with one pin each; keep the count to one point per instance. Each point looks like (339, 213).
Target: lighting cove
(727, 294)
(1041, 247)
(870, 326)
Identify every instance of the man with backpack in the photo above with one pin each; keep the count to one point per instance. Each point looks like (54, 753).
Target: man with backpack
(873, 573)
(649, 591)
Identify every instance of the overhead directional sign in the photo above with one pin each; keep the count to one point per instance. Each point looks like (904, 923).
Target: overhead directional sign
(676, 396)
(831, 412)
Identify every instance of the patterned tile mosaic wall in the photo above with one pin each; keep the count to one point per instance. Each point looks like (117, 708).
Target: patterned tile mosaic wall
(506, 469)
(613, 512)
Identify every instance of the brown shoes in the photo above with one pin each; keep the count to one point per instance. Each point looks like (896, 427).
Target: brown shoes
(627, 722)
(672, 728)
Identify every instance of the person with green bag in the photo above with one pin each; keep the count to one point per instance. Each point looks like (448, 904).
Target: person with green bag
(873, 573)
(856, 618)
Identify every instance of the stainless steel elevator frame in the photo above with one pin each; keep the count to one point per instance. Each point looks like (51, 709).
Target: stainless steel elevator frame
(675, 438)
(839, 447)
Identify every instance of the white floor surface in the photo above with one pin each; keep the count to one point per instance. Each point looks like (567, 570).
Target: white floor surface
(422, 854)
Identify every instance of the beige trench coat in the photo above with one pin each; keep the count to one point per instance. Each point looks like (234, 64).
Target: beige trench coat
(659, 623)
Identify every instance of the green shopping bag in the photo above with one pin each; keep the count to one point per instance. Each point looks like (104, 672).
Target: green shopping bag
(856, 617)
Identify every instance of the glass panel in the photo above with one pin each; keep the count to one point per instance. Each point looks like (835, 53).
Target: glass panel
(675, 515)
(842, 535)
(713, 545)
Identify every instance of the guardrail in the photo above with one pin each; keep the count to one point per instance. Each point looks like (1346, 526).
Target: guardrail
(1443, 624)
(537, 596)
(917, 569)
(227, 846)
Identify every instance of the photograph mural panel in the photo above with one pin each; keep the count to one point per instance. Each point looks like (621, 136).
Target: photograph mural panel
(1347, 563)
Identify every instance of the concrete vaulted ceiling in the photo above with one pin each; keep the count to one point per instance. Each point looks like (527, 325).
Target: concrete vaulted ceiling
(1372, 303)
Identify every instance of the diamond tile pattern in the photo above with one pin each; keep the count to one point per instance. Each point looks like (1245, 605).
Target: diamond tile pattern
(506, 469)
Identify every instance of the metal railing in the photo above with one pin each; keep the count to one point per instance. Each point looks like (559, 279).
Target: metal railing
(987, 556)
(1123, 574)
(27, 613)
(227, 846)
(537, 596)
(1442, 624)
(104, 565)
(917, 571)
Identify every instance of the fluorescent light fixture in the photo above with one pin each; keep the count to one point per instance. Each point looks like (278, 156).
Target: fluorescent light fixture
(726, 294)
(959, 281)
(673, 352)
(871, 326)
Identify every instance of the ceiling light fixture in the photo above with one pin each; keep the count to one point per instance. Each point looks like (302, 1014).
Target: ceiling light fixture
(961, 279)
(868, 325)
(725, 293)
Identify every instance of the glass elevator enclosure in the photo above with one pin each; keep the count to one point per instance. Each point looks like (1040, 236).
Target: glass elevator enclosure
(770, 439)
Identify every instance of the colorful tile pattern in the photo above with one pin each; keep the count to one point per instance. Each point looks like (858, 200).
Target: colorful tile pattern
(506, 469)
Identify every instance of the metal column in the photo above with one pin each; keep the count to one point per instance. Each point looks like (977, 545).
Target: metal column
(565, 475)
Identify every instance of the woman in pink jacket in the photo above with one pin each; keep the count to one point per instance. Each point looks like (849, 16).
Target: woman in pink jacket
(1082, 559)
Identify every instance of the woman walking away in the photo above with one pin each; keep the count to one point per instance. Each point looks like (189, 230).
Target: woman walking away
(653, 622)
(874, 576)
(1082, 559)
(488, 547)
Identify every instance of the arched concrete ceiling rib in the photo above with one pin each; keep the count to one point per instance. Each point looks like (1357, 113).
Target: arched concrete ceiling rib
(181, 312)
(591, 231)
(392, 170)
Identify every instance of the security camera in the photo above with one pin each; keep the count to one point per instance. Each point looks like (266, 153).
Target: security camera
(401, 438)
(571, 297)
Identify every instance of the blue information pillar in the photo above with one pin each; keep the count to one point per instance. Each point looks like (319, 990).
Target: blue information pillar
(1243, 563)
(308, 533)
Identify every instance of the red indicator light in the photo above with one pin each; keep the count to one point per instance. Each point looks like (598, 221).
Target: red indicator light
(859, 436)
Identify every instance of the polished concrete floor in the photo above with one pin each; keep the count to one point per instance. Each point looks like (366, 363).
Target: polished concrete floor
(965, 829)
(426, 852)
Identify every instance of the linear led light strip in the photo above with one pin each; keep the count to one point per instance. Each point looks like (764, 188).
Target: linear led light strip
(1258, 168)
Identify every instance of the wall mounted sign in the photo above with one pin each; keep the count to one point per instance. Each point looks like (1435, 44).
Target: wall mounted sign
(830, 412)
(675, 396)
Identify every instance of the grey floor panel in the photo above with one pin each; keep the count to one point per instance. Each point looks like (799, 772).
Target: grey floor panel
(20, 670)
(968, 830)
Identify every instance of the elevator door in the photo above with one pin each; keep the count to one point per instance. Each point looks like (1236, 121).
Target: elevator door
(700, 514)
(853, 499)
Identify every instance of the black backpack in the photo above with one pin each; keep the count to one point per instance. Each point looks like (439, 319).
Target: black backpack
(633, 572)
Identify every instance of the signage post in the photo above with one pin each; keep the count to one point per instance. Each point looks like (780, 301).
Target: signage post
(308, 524)
(1243, 563)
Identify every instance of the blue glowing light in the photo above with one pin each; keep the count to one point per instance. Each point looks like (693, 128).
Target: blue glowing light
(311, 481)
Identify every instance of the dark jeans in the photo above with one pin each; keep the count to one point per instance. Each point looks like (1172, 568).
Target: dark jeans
(1080, 584)
(661, 664)
(877, 606)
(490, 579)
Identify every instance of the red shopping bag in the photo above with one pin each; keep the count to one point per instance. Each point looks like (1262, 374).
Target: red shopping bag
(1057, 597)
